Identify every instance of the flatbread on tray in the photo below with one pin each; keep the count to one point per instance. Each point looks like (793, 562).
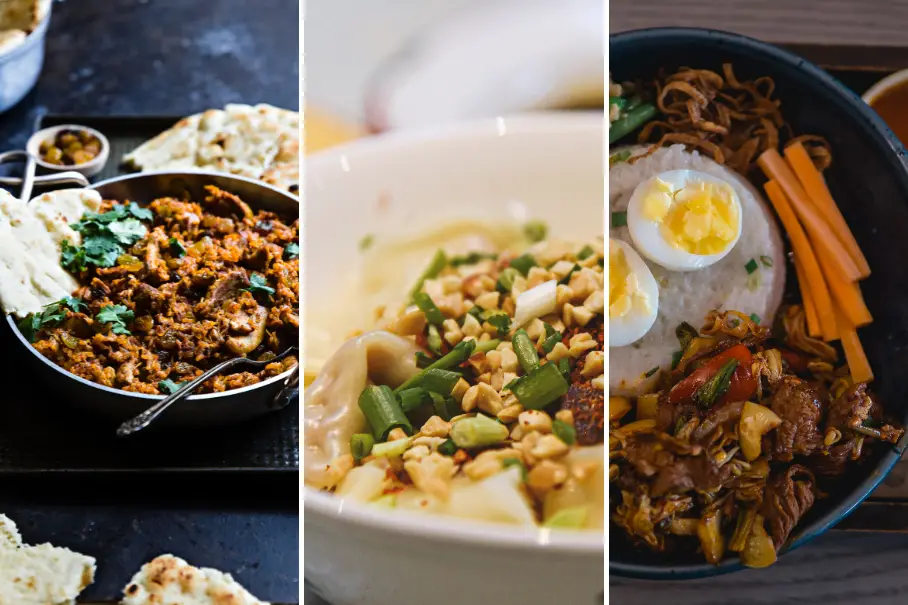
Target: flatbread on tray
(40, 575)
(260, 142)
(169, 580)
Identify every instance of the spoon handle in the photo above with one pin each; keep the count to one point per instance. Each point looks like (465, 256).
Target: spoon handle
(148, 416)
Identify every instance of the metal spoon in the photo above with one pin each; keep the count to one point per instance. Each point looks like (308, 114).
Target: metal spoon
(151, 414)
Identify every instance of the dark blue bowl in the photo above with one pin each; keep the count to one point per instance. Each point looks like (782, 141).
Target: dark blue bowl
(869, 180)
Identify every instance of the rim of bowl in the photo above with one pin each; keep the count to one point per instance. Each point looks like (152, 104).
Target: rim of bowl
(443, 527)
(452, 529)
(890, 81)
(33, 147)
(881, 133)
(203, 397)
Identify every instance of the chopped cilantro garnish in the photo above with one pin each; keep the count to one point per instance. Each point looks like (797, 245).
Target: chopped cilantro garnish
(751, 266)
(105, 236)
(259, 285)
(117, 316)
(651, 371)
(292, 251)
(176, 247)
(170, 387)
(619, 219)
(500, 321)
(524, 263)
(619, 156)
(51, 315)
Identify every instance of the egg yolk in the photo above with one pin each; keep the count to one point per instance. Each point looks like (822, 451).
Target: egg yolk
(624, 289)
(700, 218)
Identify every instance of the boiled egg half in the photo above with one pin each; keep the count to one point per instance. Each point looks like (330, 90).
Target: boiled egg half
(684, 220)
(633, 298)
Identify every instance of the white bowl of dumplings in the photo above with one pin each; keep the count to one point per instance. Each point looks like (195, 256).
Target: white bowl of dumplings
(409, 184)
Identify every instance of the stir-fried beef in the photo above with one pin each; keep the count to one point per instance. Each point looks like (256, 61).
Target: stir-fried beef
(851, 409)
(675, 466)
(798, 405)
(789, 495)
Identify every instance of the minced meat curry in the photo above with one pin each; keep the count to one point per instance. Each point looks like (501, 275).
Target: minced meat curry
(172, 289)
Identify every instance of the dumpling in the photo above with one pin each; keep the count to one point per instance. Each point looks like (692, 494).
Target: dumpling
(331, 413)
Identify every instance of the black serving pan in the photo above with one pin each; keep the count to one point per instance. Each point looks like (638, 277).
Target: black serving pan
(869, 180)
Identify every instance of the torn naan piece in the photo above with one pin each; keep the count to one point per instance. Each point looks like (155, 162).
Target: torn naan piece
(169, 580)
(259, 142)
(9, 533)
(331, 414)
(31, 236)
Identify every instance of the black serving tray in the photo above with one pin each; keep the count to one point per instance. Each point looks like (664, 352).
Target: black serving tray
(41, 433)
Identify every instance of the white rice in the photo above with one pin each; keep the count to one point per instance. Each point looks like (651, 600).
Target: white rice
(690, 296)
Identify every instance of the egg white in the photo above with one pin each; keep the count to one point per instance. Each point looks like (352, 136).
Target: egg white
(637, 322)
(646, 234)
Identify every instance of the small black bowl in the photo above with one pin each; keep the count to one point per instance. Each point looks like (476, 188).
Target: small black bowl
(869, 180)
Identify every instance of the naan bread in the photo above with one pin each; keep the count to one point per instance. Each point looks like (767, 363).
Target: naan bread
(331, 414)
(260, 142)
(169, 580)
(39, 575)
(30, 245)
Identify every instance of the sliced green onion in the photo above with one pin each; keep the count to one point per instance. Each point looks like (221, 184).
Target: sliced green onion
(487, 345)
(676, 358)
(436, 265)
(619, 219)
(525, 351)
(710, 391)
(509, 462)
(564, 366)
(755, 318)
(538, 301)
(433, 339)
(472, 258)
(361, 445)
(564, 431)
(445, 407)
(478, 431)
(619, 102)
(541, 387)
(423, 361)
(767, 261)
(751, 266)
(619, 156)
(412, 399)
(456, 356)
(685, 333)
(366, 242)
(524, 263)
(535, 231)
(569, 518)
(552, 337)
(448, 448)
(506, 280)
(585, 253)
(438, 381)
(382, 411)
(651, 371)
(428, 306)
(392, 449)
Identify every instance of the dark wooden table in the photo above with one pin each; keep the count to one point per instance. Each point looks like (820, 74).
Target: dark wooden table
(116, 57)
(848, 564)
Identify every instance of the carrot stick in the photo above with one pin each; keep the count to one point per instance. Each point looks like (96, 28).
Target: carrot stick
(810, 309)
(845, 294)
(819, 294)
(815, 187)
(820, 232)
(854, 352)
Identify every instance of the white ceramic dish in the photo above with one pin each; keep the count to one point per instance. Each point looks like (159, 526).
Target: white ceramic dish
(496, 58)
(546, 166)
(88, 169)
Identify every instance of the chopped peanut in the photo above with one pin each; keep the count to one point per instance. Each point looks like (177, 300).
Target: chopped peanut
(436, 426)
(535, 420)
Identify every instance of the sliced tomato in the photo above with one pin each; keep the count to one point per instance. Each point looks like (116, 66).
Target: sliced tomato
(740, 388)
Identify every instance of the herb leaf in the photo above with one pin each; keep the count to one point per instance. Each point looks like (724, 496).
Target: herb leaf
(711, 390)
(116, 316)
(170, 387)
(143, 214)
(292, 251)
(51, 315)
(104, 236)
(128, 231)
(176, 247)
(500, 321)
(259, 285)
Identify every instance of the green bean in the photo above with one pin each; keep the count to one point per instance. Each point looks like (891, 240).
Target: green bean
(633, 120)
